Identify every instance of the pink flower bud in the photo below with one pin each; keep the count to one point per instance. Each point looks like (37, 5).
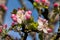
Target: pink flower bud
(37, 1)
(13, 23)
(55, 4)
(14, 19)
(0, 30)
(13, 15)
(49, 30)
(28, 17)
(47, 3)
(29, 12)
(4, 7)
(43, 1)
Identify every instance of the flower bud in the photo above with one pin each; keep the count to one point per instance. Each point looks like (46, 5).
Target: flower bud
(37, 1)
(49, 30)
(55, 4)
(0, 30)
(29, 12)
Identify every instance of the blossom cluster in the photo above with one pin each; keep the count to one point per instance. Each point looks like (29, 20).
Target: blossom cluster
(41, 3)
(21, 15)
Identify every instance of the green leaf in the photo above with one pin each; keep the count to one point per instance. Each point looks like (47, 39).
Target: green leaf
(35, 4)
(33, 26)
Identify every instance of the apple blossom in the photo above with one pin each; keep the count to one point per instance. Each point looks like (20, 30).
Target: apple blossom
(20, 11)
(40, 24)
(44, 20)
(20, 16)
(45, 30)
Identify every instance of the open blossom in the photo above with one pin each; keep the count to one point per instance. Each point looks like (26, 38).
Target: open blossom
(20, 16)
(41, 26)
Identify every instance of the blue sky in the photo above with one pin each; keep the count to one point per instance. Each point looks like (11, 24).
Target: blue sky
(14, 4)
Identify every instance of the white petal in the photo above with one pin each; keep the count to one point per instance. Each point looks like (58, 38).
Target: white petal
(45, 31)
(19, 21)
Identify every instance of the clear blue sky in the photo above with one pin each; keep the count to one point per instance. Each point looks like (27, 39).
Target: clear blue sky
(11, 4)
